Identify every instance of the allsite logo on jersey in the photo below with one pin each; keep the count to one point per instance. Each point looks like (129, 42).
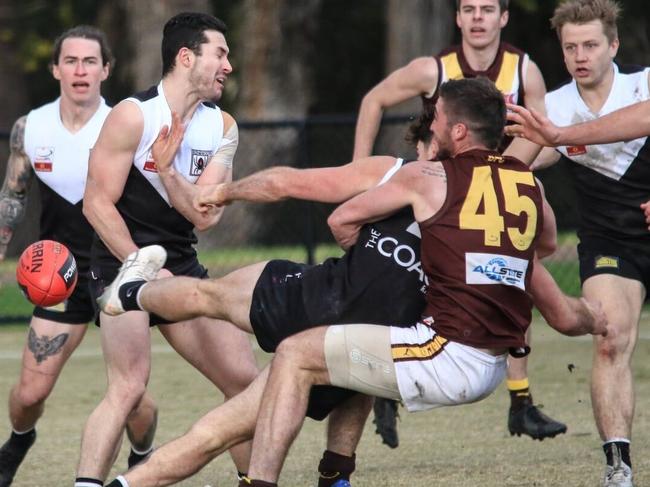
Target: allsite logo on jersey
(495, 269)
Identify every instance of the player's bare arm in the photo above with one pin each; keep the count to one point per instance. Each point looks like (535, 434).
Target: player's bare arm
(567, 315)
(108, 169)
(182, 193)
(535, 89)
(626, 123)
(325, 185)
(422, 185)
(13, 195)
(418, 77)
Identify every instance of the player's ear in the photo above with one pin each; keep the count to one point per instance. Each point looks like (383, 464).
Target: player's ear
(613, 47)
(185, 57)
(459, 131)
(503, 21)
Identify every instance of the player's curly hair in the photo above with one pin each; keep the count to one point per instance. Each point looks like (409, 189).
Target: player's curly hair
(583, 11)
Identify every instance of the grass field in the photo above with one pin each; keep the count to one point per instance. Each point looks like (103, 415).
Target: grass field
(462, 446)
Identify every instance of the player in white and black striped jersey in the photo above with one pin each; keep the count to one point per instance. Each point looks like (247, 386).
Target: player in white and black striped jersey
(51, 145)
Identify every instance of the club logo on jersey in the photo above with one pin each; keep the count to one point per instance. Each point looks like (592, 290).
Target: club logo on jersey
(603, 261)
(150, 164)
(495, 269)
(576, 150)
(200, 159)
(43, 159)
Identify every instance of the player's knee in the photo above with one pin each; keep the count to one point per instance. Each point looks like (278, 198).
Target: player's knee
(617, 344)
(33, 394)
(289, 352)
(126, 394)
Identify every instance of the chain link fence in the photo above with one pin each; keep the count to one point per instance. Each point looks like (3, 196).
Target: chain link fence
(297, 230)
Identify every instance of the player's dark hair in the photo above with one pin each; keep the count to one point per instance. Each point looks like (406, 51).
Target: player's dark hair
(420, 128)
(503, 5)
(187, 29)
(477, 103)
(84, 32)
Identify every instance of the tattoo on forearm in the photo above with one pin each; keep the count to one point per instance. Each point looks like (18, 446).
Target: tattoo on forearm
(43, 347)
(438, 172)
(12, 209)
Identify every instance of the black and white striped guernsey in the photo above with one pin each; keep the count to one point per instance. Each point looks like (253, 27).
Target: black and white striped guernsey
(144, 203)
(611, 180)
(60, 161)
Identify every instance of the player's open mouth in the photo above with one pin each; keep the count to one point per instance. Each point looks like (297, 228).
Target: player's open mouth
(81, 84)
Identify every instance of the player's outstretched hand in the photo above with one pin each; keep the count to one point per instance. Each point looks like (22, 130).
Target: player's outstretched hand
(646, 211)
(532, 125)
(595, 309)
(209, 196)
(167, 143)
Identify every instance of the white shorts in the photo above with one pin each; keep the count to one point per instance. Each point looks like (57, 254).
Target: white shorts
(433, 372)
(413, 364)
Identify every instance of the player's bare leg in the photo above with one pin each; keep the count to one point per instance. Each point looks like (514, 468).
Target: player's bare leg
(344, 429)
(228, 298)
(294, 370)
(230, 424)
(49, 345)
(612, 388)
(223, 354)
(524, 417)
(126, 344)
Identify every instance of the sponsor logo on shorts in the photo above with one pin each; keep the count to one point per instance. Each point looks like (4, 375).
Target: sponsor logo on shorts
(200, 159)
(603, 261)
(495, 269)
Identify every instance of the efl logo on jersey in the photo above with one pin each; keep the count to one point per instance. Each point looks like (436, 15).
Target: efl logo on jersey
(605, 262)
(200, 159)
(43, 159)
(576, 150)
(495, 269)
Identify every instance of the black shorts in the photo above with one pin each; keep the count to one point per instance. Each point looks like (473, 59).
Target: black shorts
(599, 256)
(78, 309)
(277, 306)
(278, 311)
(102, 276)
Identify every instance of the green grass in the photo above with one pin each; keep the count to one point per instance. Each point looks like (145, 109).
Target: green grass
(455, 447)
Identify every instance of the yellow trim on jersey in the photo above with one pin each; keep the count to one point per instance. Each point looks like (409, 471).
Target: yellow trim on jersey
(508, 71)
(424, 351)
(452, 66)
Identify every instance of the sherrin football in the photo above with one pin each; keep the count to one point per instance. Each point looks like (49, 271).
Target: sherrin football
(46, 273)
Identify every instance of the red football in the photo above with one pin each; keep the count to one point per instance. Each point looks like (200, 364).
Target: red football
(46, 273)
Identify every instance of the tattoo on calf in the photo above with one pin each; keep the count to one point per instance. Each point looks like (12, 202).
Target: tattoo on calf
(43, 347)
